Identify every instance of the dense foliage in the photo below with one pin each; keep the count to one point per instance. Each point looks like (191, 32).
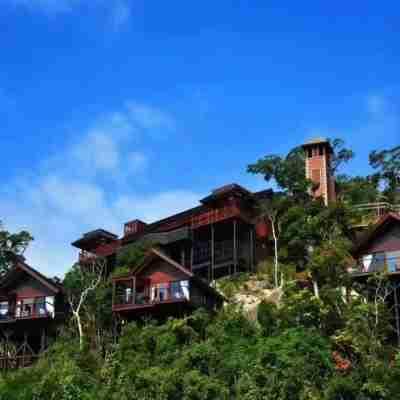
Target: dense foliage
(307, 349)
(12, 245)
(327, 338)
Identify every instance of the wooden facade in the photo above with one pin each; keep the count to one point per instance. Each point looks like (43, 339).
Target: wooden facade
(379, 250)
(159, 287)
(221, 236)
(31, 308)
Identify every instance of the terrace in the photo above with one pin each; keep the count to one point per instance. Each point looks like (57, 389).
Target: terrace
(29, 308)
(131, 293)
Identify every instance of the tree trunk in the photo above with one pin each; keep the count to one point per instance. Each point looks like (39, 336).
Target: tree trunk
(316, 289)
(80, 330)
(276, 261)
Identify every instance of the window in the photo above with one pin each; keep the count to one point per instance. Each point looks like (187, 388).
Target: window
(377, 263)
(393, 261)
(180, 290)
(3, 309)
(159, 292)
(309, 152)
(40, 306)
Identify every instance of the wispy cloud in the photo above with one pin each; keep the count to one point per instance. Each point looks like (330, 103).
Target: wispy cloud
(119, 11)
(68, 194)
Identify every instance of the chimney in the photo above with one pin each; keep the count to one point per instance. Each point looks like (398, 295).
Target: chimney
(318, 153)
(134, 227)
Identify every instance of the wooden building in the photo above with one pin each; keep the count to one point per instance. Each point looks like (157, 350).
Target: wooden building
(219, 237)
(31, 308)
(161, 287)
(379, 249)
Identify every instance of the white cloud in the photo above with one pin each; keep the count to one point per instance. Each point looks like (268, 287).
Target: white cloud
(137, 161)
(148, 117)
(157, 206)
(67, 195)
(98, 151)
(119, 11)
(376, 104)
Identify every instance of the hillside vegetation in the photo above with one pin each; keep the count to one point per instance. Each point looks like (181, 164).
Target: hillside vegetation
(328, 338)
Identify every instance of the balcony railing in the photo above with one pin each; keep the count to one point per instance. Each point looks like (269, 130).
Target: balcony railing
(154, 294)
(86, 256)
(216, 215)
(11, 312)
(384, 264)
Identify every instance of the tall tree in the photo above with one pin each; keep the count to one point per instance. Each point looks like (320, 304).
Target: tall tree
(81, 283)
(273, 210)
(387, 165)
(12, 245)
(358, 189)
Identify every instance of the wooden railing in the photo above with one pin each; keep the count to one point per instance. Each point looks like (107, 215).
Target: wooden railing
(163, 292)
(215, 215)
(386, 264)
(25, 311)
(15, 362)
(86, 256)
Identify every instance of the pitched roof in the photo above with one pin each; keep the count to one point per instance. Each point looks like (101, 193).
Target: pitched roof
(378, 228)
(21, 265)
(155, 253)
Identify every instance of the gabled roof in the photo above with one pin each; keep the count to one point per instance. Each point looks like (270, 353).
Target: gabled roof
(383, 223)
(153, 254)
(20, 266)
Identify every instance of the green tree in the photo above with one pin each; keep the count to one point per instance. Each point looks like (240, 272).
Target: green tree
(12, 245)
(289, 172)
(387, 164)
(80, 283)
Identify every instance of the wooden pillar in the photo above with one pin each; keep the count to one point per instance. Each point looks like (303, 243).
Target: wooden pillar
(396, 313)
(191, 251)
(212, 252)
(43, 341)
(251, 249)
(235, 246)
(183, 257)
(113, 293)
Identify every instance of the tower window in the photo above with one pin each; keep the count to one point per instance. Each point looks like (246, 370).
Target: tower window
(309, 152)
(321, 150)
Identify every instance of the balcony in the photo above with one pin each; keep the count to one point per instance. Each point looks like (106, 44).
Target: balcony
(215, 215)
(86, 257)
(375, 263)
(129, 296)
(26, 309)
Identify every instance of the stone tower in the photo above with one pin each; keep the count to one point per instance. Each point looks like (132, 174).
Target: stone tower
(318, 153)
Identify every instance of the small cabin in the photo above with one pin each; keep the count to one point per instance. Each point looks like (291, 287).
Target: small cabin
(31, 308)
(161, 287)
(379, 250)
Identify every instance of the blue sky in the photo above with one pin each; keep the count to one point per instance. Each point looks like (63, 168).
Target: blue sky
(115, 109)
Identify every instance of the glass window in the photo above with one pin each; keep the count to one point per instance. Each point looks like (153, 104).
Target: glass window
(180, 290)
(393, 261)
(377, 263)
(3, 308)
(40, 306)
